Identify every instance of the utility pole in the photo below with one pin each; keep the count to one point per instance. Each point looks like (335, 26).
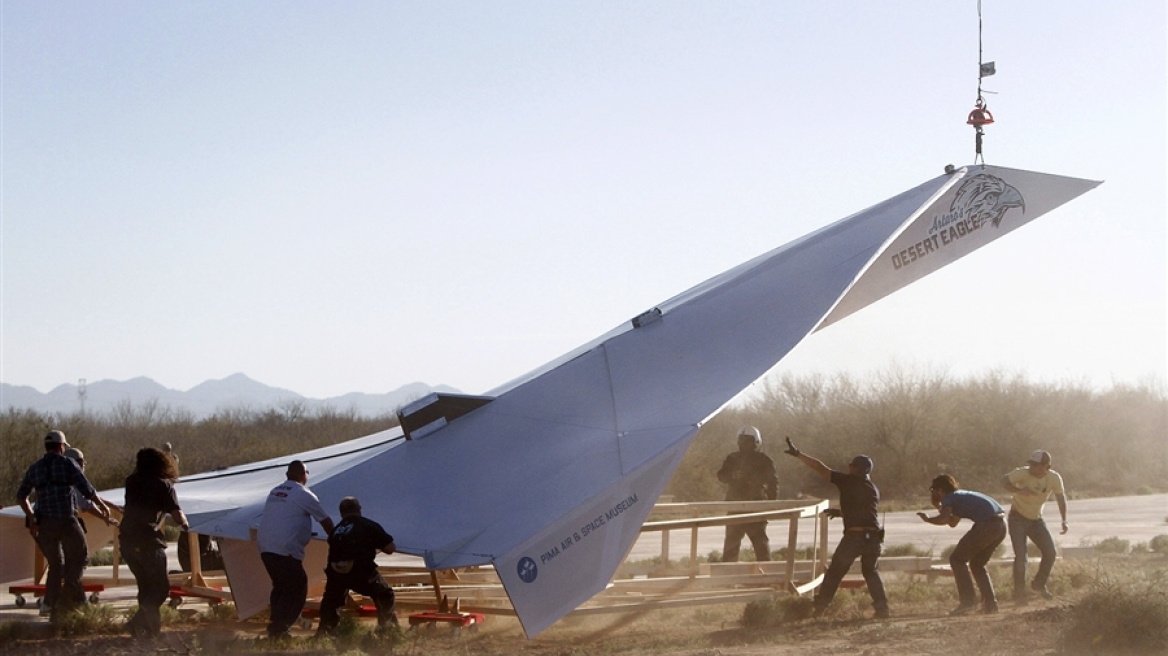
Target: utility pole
(82, 394)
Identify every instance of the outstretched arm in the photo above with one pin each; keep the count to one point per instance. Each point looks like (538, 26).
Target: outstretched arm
(814, 463)
(945, 516)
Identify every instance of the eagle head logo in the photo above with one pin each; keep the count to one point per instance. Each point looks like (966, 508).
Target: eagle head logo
(985, 197)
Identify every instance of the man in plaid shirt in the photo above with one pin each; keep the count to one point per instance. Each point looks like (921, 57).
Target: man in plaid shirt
(53, 524)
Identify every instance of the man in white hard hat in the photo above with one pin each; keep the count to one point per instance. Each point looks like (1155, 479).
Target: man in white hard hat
(749, 475)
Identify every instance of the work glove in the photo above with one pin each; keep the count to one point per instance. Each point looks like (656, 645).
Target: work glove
(791, 450)
(833, 513)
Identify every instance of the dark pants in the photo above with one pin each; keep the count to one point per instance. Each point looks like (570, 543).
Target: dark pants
(867, 547)
(148, 564)
(63, 543)
(1021, 530)
(973, 551)
(368, 583)
(289, 591)
(758, 538)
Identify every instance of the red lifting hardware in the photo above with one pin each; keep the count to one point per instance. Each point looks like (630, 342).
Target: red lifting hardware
(980, 115)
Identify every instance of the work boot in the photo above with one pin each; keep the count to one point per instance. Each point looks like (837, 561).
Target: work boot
(963, 609)
(1041, 589)
(882, 613)
(990, 609)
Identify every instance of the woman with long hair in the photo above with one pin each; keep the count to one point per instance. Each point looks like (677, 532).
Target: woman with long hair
(150, 497)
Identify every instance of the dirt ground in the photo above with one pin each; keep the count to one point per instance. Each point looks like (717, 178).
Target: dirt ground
(1030, 630)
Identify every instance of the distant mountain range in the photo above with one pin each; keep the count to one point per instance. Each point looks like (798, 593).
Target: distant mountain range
(202, 400)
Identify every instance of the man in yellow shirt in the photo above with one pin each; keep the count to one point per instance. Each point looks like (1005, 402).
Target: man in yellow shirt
(1032, 486)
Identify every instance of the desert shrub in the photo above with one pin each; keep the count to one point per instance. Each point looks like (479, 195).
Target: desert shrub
(801, 553)
(102, 557)
(1119, 619)
(1159, 544)
(90, 619)
(904, 550)
(915, 589)
(1112, 545)
(220, 612)
(171, 532)
(776, 611)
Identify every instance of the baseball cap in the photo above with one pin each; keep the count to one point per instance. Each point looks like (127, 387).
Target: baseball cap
(863, 464)
(55, 437)
(1040, 457)
(75, 453)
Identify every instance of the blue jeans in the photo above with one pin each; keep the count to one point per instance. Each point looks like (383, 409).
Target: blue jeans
(865, 546)
(973, 551)
(1022, 530)
(289, 591)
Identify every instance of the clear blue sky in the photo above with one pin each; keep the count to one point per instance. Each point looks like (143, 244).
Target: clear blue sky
(337, 197)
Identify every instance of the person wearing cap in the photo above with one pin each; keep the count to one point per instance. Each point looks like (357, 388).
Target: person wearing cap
(976, 547)
(83, 504)
(353, 546)
(863, 537)
(150, 496)
(749, 475)
(285, 529)
(53, 524)
(1032, 486)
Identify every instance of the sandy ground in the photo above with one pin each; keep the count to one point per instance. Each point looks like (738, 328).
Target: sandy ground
(706, 631)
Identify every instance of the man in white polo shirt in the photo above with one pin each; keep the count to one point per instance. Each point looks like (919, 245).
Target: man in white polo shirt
(1032, 486)
(285, 529)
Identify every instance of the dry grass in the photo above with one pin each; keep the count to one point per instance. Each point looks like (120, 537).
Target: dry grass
(1115, 604)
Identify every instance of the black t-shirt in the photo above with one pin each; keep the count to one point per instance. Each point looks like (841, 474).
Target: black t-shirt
(148, 498)
(357, 539)
(859, 500)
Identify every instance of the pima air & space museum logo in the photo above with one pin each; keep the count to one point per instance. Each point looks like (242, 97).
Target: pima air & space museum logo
(981, 199)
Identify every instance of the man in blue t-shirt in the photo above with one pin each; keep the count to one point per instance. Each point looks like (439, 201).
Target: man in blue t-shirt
(862, 537)
(977, 546)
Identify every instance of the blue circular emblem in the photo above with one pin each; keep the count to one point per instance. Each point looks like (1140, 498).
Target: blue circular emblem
(527, 569)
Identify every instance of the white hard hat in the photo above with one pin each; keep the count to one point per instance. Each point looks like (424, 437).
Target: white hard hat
(752, 432)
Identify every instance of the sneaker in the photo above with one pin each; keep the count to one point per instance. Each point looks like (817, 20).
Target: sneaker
(963, 609)
(1041, 589)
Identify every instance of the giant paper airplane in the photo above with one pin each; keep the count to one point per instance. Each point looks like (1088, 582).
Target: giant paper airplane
(550, 477)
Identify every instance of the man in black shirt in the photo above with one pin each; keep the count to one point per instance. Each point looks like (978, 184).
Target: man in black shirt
(353, 545)
(863, 536)
(749, 475)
